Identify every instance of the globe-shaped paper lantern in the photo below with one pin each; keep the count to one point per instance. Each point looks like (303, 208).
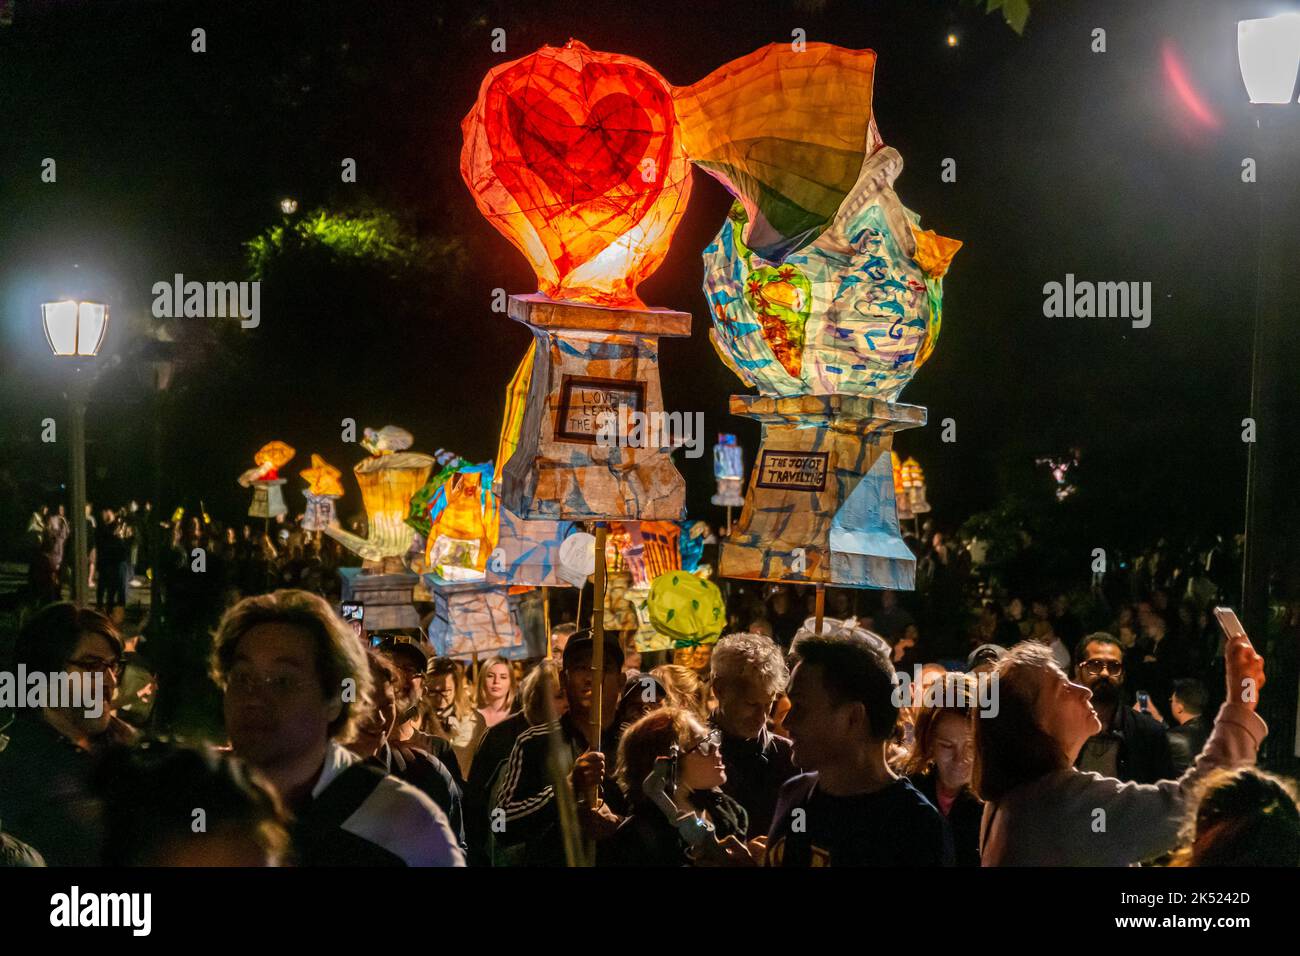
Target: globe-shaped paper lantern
(575, 156)
(820, 281)
(686, 608)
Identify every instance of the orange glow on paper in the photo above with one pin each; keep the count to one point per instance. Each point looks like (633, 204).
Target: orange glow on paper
(576, 157)
(323, 478)
(786, 131)
(465, 531)
(911, 474)
(270, 458)
(516, 398)
(934, 252)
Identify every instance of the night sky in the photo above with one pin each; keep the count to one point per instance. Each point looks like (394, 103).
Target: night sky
(1067, 162)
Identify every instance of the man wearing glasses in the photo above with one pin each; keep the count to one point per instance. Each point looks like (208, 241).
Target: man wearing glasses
(45, 765)
(295, 678)
(1131, 746)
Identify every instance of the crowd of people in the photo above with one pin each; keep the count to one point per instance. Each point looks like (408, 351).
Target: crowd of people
(351, 750)
(788, 745)
(239, 558)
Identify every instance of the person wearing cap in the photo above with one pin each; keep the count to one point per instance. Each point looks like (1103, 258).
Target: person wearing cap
(985, 658)
(410, 657)
(530, 815)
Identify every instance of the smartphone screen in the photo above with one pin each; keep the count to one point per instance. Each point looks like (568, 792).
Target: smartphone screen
(353, 612)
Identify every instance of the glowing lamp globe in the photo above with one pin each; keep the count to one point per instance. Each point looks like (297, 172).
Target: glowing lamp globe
(75, 328)
(576, 157)
(1268, 53)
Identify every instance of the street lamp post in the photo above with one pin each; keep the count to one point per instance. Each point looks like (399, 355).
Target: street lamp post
(1268, 52)
(76, 330)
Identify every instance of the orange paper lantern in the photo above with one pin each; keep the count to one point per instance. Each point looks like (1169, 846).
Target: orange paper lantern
(575, 156)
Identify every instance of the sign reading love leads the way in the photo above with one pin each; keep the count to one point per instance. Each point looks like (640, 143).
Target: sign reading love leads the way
(575, 156)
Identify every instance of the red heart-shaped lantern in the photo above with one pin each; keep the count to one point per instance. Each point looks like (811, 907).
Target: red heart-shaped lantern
(575, 156)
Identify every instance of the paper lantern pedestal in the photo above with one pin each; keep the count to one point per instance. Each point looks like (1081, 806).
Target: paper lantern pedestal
(474, 617)
(590, 359)
(387, 598)
(320, 512)
(820, 506)
(527, 552)
(729, 493)
(268, 499)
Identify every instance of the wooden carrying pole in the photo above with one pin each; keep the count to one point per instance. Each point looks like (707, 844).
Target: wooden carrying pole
(546, 618)
(598, 638)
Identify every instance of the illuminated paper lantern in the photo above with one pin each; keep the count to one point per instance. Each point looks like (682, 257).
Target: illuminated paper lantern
(826, 297)
(913, 482)
(527, 552)
(323, 489)
(729, 470)
(388, 479)
(432, 498)
(687, 609)
(820, 280)
(691, 544)
(575, 156)
(474, 619)
(459, 541)
(856, 312)
(264, 478)
(516, 398)
(577, 558)
(273, 456)
(786, 132)
(900, 489)
(645, 549)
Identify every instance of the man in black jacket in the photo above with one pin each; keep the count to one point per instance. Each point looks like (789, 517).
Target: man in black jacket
(1131, 746)
(529, 812)
(748, 672)
(1187, 707)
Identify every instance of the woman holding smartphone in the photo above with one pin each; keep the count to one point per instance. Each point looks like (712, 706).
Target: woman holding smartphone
(1041, 811)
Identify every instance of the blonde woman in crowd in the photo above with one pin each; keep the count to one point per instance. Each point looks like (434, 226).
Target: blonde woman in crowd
(495, 691)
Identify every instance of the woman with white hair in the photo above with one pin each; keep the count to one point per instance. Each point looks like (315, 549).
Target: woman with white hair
(749, 671)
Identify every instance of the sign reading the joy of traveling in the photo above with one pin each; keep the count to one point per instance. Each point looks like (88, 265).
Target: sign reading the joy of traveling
(796, 471)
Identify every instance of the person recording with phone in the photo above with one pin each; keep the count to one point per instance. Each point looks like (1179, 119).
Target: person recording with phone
(670, 767)
(1131, 745)
(1041, 810)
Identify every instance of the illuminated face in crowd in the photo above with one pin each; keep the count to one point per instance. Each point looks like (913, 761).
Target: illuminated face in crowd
(1102, 671)
(275, 707)
(93, 654)
(744, 701)
(496, 683)
(1064, 711)
(700, 766)
(820, 728)
(952, 750)
(442, 690)
(578, 687)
